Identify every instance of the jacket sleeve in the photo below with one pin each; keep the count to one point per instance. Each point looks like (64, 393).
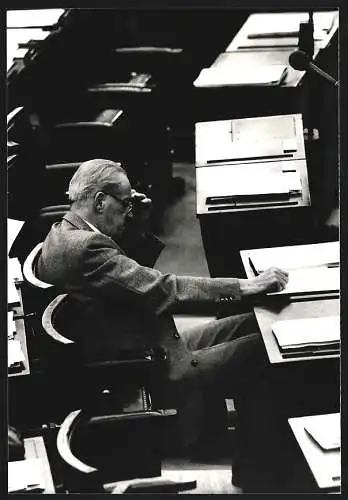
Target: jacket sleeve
(110, 273)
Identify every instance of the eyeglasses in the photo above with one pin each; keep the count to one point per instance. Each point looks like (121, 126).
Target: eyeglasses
(126, 203)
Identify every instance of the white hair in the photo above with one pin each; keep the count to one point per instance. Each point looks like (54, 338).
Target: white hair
(91, 176)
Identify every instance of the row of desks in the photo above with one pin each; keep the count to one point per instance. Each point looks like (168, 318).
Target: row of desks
(305, 374)
(266, 40)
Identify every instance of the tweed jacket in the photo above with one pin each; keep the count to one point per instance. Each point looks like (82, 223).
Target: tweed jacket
(123, 303)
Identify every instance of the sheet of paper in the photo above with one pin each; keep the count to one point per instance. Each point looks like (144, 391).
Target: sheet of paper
(247, 179)
(13, 228)
(11, 326)
(288, 23)
(246, 75)
(326, 430)
(296, 256)
(307, 331)
(32, 18)
(14, 352)
(25, 474)
(311, 279)
(279, 127)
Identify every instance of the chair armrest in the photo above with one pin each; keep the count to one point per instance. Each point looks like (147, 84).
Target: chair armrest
(124, 87)
(28, 268)
(62, 166)
(82, 125)
(148, 50)
(159, 485)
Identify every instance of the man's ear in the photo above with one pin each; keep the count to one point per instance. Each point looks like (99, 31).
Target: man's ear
(99, 201)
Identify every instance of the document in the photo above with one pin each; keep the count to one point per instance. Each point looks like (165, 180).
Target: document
(277, 127)
(325, 430)
(307, 332)
(288, 24)
(296, 256)
(311, 279)
(13, 229)
(25, 476)
(252, 75)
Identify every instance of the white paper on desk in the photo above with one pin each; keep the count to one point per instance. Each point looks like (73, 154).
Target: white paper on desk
(288, 23)
(248, 179)
(278, 127)
(246, 75)
(311, 279)
(13, 228)
(32, 18)
(302, 332)
(296, 256)
(25, 474)
(11, 326)
(325, 430)
(14, 352)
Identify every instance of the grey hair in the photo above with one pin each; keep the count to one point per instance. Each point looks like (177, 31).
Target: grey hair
(91, 176)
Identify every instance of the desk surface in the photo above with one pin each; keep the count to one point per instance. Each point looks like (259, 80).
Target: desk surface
(35, 448)
(259, 30)
(280, 308)
(232, 60)
(323, 464)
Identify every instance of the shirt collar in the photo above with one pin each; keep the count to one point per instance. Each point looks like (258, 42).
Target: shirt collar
(91, 226)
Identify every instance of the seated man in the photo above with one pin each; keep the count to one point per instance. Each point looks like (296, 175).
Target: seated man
(102, 256)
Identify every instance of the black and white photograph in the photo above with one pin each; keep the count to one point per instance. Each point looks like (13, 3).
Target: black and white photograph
(173, 250)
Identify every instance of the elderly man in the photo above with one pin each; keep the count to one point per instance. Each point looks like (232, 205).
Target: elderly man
(102, 255)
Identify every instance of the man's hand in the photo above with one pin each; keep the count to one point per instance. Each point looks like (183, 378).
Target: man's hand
(141, 211)
(271, 280)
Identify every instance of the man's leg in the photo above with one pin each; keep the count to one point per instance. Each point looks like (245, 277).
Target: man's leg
(238, 367)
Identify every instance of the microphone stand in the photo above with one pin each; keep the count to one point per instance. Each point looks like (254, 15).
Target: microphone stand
(306, 44)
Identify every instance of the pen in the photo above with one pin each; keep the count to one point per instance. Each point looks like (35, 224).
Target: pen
(253, 268)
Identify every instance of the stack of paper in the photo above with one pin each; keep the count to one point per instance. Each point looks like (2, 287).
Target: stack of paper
(25, 475)
(325, 430)
(312, 279)
(246, 75)
(296, 256)
(308, 333)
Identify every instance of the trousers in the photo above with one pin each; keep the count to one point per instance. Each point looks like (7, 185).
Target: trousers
(233, 363)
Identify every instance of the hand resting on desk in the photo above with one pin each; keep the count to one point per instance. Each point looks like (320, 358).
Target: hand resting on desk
(270, 280)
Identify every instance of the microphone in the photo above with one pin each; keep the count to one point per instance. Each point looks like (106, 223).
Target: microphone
(301, 61)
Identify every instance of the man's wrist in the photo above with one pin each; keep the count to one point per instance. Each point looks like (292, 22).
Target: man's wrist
(248, 287)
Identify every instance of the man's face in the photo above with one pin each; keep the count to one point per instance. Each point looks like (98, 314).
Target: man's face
(117, 204)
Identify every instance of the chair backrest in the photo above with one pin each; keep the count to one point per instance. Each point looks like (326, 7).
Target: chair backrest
(48, 323)
(29, 268)
(120, 446)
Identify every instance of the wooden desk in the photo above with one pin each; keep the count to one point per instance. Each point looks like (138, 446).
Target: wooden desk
(232, 60)
(35, 450)
(281, 308)
(15, 37)
(319, 461)
(227, 230)
(286, 25)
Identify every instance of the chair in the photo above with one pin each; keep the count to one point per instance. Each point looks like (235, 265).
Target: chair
(105, 449)
(115, 433)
